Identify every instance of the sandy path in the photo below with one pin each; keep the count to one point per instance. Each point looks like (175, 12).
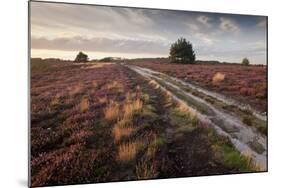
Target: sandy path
(242, 136)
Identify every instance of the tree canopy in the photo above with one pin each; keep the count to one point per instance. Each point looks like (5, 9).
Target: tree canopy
(245, 61)
(81, 57)
(182, 52)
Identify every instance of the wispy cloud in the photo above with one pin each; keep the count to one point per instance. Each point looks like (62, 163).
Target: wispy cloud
(206, 39)
(227, 24)
(99, 45)
(192, 27)
(204, 20)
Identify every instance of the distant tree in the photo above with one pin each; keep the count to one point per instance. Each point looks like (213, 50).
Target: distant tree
(245, 61)
(81, 57)
(182, 52)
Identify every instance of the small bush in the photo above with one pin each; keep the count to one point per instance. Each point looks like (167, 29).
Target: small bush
(218, 77)
(245, 62)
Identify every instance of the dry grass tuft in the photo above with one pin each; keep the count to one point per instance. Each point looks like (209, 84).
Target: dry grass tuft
(218, 77)
(125, 122)
(131, 108)
(130, 96)
(152, 149)
(76, 89)
(146, 170)
(250, 164)
(112, 111)
(84, 105)
(128, 151)
(55, 101)
(184, 108)
(94, 84)
(114, 85)
(103, 100)
(154, 84)
(119, 132)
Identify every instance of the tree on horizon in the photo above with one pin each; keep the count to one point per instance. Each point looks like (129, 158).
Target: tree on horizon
(81, 57)
(245, 62)
(182, 52)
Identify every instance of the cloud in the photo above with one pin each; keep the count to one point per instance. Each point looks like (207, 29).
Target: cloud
(100, 45)
(193, 27)
(204, 20)
(68, 27)
(51, 19)
(258, 46)
(206, 39)
(227, 24)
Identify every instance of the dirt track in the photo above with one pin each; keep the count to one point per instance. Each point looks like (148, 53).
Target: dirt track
(247, 139)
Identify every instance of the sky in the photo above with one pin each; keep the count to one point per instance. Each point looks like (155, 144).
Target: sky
(62, 30)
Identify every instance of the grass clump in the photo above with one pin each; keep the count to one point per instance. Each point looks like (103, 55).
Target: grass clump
(131, 108)
(146, 170)
(114, 86)
(145, 98)
(121, 131)
(149, 111)
(159, 142)
(192, 102)
(76, 89)
(234, 159)
(183, 119)
(84, 105)
(229, 156)
(112, 111)
(250, 120)
(128, 151)
(263, 129)
(55, 101)
(247, 120)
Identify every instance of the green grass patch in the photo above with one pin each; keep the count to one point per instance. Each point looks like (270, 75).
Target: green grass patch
(251, 120)
(159, 142)
(234, 159)
(229, 156)
(145, 98)
(183, 120)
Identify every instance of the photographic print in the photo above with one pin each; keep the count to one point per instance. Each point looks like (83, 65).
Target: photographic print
(126, 93)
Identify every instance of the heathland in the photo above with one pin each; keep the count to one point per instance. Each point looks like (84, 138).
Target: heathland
(145, 119)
